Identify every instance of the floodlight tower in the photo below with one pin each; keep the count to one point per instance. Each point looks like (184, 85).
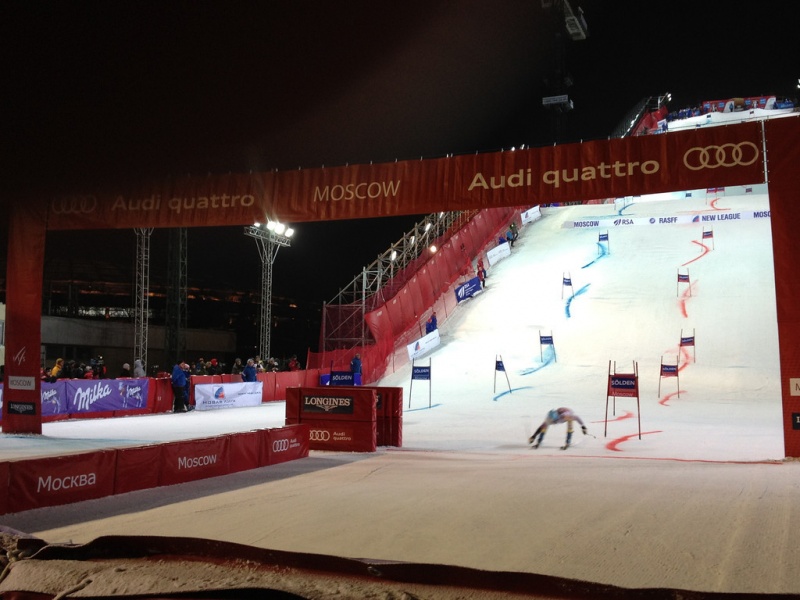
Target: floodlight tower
(270, 238)
(571, 22)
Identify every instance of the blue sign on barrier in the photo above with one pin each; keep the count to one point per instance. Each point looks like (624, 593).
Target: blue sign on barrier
(468, 290)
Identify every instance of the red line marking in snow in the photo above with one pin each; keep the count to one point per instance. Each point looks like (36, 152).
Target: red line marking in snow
(612, 445)
(684, 297)
(705, 250)
(714, 208)
(684, 350)
(671, 458)
(627, 415)
(668, 397)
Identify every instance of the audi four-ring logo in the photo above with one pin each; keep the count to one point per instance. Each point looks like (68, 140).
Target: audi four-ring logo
(726, 155)
(315, 435)
(73, 205)
(280, 445)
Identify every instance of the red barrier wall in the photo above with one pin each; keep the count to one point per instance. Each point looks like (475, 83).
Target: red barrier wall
(338, 414)
(137, 468)
(51, 481)
(292, 405)
(4, 479)
(194, 459)
(268, 386)
(286, 379)
(245, 451)
(285, 443)
(163, 399)
(59, 480)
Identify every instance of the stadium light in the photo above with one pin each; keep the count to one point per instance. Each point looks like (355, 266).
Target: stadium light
(270, 238)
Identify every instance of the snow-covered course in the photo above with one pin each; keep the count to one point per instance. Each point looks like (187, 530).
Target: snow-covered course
(702, 500)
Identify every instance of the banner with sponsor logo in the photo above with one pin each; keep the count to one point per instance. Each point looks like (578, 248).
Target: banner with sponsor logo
(423, 345)
(52, 481)
(283, 444)
(75, 396)
(469, 289)
(342, 436)
(189, 460)
(54, 398)
(211, 396)
(102, 395)
(338, 403)
(531, 215)
(498, 253)
(623, 385)
(694, 159)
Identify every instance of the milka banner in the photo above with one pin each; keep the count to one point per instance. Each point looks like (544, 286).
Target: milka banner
(423, 345)
(694, 159)
(72, 396)
(210, 396)
(99, 395)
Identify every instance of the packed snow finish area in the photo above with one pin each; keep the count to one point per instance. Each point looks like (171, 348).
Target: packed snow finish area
(702, 499)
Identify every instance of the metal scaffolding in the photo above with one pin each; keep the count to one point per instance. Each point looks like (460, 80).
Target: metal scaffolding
(268, 242)
(142, 293)
(353, 301)
(176, 315)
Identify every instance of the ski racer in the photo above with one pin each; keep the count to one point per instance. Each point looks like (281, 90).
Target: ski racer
(554, 417)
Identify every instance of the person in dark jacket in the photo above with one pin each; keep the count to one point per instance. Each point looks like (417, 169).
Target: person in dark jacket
(249, 371)
(355, 364)
(431, 325)
(179, 382)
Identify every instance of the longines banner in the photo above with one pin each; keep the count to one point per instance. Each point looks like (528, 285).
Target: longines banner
(694, 159)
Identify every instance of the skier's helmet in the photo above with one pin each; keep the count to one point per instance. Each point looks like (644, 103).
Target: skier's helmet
(553, 415)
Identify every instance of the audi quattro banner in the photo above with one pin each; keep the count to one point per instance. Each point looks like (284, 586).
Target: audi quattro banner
(342, 436)
(690, 159)
(211, 396)
(283, 444)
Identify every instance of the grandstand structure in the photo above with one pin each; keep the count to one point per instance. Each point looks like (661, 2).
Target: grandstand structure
(378, 283)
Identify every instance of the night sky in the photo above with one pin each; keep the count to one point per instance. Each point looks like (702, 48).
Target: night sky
(111, 93)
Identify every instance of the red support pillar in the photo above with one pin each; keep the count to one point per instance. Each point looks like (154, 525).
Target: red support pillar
(22, 406)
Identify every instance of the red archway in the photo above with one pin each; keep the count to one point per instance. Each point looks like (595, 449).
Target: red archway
(741, 154)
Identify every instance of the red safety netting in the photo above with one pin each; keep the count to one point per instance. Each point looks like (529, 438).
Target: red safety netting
(394, 317)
